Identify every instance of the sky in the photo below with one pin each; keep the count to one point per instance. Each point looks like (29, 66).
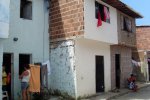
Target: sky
(142, 7)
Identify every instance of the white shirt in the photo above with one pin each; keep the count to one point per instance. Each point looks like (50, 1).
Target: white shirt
(26, 78)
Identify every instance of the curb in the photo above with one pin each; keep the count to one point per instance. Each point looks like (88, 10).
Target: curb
(117, 95)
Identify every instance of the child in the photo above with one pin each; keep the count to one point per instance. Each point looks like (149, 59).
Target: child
(131, 83)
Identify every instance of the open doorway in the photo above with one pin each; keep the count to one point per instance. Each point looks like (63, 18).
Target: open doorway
(117, 64)
(100, 74)
(23, 60)
(7, 62)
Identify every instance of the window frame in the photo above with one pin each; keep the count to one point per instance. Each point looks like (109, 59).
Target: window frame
(101, 9)
(22, 8)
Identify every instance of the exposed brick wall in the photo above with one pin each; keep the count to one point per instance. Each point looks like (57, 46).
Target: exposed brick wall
(143, 38)
(124, 37)
(66, 19)
(125, 65)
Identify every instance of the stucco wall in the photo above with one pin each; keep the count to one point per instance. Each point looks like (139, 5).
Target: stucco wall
(4, 18)
(33, 37)
(1, 58)
(125, 65)
(105, 33)
(62, 67)
(85, 52)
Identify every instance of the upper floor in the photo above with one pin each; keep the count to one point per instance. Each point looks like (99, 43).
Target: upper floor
(28, 27)
(4, 18)
(107, 21)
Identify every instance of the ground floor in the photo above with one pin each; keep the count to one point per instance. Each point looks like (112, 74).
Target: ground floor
(82, 67)
(14, 63)
(121, 65)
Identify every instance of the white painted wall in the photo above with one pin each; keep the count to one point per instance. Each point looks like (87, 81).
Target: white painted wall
(4, 18)
(33, 37)
(85, 52)
(105, 33)
(63, 72)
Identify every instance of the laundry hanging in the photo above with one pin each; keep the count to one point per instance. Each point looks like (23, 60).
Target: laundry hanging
(34, 83)
(106, 14)
(48, 66)
(99, 21)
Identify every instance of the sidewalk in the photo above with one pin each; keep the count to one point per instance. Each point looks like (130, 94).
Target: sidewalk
(111, 95)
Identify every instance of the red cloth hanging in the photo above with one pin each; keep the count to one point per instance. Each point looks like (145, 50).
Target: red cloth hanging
(99, 21)
(105, 17)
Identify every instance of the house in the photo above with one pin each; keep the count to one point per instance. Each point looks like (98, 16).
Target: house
(4, 32)
(28, 40)
(141, 52)
(88, 55)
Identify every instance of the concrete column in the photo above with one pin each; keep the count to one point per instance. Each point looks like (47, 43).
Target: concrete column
(1, 59)
(15, 78)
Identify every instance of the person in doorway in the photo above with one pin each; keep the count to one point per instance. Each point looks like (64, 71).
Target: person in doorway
(4, 79)
(9, 84)
(131, 82)
(25, 77)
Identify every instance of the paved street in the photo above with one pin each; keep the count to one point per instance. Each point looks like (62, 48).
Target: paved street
(142, 94)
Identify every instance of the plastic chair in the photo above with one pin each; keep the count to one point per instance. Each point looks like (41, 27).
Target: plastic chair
(5, 95)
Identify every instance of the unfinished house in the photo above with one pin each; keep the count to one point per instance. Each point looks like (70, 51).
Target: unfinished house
(88, 43)
(142, 52)
(121, 53)
(4, 32)
(28, 41)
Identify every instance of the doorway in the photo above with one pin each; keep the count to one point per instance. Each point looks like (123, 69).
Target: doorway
(117, 65)
(7, 62)
(100, 74)
(23, 60)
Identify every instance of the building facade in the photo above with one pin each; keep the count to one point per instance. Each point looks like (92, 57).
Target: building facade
(4, 32)
(28, 41)
(84, 45)
(141, 52)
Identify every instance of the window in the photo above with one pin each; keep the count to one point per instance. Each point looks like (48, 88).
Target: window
(104, 12)
(127, 24)
(26, 9)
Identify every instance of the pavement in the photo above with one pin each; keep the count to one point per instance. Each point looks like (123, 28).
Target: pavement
(112, 94)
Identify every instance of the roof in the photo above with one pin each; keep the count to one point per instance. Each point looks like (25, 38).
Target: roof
(143, 26)
(123, 8)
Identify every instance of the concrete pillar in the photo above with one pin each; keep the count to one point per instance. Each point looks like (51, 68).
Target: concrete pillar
(15, 78)
(1, 59)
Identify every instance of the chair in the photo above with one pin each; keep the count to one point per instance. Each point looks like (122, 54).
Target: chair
(5, 95)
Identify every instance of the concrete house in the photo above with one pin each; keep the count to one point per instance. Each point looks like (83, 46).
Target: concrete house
(142, 52)
(28, 41)
(85, 58)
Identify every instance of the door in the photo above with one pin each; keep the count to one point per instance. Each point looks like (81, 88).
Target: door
(117, 64)
(99, 74)
(7, 62)
(23, 60)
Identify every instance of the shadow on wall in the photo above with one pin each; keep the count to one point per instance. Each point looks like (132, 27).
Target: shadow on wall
(57, 21)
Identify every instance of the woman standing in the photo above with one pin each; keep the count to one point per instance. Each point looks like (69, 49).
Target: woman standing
(25, 77)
